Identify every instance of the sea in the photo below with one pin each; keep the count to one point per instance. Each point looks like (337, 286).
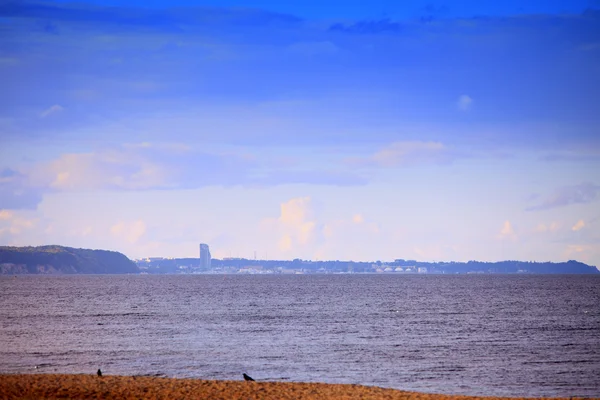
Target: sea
(500, 335)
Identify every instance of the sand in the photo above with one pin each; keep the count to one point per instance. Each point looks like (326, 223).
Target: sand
(54, 386)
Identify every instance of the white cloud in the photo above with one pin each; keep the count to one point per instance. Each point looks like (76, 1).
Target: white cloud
(16, 224)
(328, 231)
(305, 233)
(587, 253)
(51, 110)
(6, 215)
(543, 228)
(85, 231)
(105, 169)
(295, 211)
(358, 219)
(297, 230)
(578, 226)
(130, 231)
(567, 195)
(405, 152)
(117, 229)
(356, 225)
(149, 166)
(346, 236)
(296, 222)
(507, 231)
(464, 102)
(285, 243)
(575, 249)
(408, 153)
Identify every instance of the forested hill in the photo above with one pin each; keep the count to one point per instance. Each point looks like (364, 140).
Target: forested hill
(63, 260)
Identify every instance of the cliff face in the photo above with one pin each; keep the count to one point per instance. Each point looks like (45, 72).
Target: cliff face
(63, 260)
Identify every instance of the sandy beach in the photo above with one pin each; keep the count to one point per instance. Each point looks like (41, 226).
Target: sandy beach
(54, 386)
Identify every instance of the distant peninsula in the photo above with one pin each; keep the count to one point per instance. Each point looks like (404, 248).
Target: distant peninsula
(159, 265)
(63, 260)
(67, 260)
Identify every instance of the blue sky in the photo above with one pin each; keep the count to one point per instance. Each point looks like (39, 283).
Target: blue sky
(314, 130)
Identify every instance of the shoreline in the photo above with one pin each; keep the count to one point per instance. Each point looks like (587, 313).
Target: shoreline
(87, 386)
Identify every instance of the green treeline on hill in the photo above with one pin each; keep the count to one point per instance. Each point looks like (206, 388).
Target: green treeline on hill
(63, 260)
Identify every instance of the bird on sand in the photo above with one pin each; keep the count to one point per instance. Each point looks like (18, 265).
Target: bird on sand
(247, 378)
(99, 372)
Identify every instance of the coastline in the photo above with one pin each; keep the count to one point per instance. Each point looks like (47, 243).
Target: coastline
(80, 386)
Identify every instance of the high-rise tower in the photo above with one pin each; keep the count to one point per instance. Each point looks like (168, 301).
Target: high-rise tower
(204, 256)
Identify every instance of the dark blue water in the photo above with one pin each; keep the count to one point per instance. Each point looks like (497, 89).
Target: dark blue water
(476, 335)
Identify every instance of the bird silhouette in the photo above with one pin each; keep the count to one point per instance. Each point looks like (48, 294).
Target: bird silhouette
(99, 372)
(247, 378)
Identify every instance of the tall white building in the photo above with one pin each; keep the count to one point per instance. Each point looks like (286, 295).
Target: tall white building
(204, 256)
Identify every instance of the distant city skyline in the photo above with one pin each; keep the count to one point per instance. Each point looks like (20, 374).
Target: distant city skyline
(313, 130)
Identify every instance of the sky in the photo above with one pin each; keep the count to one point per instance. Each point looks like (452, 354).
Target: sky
(320, 130)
